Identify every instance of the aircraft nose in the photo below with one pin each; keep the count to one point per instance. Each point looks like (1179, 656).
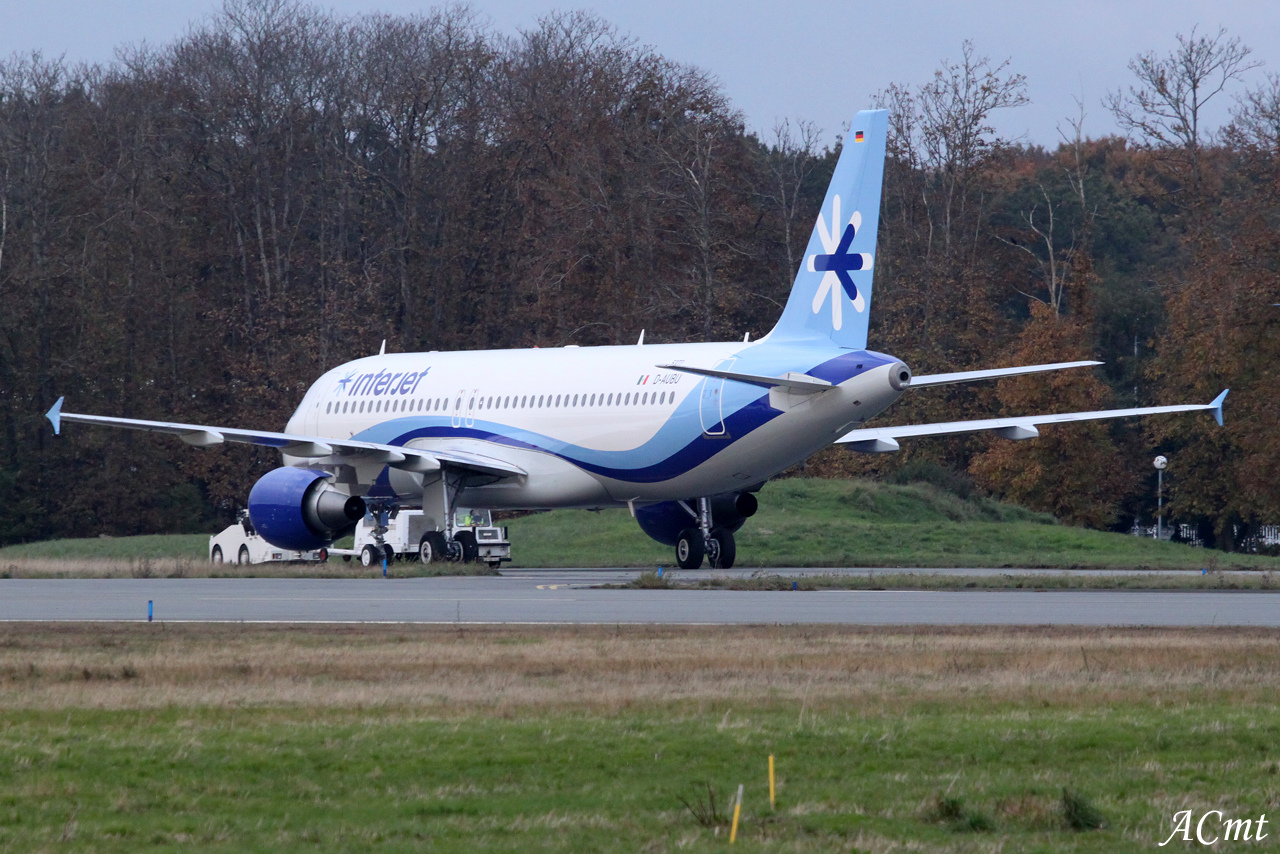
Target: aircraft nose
(899, 376)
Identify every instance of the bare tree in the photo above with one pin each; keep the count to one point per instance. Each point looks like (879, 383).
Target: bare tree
(1051, 251)
(1257, 117)
(944, 131)
(1164, 110)
(790, 161)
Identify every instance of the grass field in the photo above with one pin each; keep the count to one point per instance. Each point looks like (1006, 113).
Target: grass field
(227, 738)
(802, 522)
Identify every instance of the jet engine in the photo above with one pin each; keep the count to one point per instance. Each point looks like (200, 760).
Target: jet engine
(299, 509)
(664, 522)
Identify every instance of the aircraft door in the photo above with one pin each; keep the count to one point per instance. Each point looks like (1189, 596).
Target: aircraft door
(458, 402)
(312, 421)
(471, 406)
(711, 401)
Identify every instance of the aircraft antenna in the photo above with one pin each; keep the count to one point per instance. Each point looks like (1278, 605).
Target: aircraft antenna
(382, 351)
(641, 341)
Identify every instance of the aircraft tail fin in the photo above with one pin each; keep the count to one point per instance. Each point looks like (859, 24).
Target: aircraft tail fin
(831, 297)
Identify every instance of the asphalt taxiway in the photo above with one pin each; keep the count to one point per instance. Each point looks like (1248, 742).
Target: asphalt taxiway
(572, 596)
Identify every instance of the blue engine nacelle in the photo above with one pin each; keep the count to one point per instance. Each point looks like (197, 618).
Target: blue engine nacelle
(664, 522)
(298, 509)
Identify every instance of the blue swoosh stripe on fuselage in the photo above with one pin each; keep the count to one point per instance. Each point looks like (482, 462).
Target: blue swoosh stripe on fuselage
(652, 462)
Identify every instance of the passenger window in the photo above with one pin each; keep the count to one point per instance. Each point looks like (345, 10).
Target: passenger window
(539, 401)
(645, 399)
(557, 400)
(627, 400)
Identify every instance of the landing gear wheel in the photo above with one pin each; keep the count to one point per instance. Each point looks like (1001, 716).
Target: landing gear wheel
(389, 552)
(324, 556)
(724, 549)
(690, 549)
(369, 556)
(243, 558)
(216, 557)
(470, 551)
(431, 549)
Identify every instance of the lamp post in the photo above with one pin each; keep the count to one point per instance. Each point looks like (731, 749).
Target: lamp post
(1161, 463)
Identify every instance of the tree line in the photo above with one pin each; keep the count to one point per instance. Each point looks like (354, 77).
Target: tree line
(197, 230)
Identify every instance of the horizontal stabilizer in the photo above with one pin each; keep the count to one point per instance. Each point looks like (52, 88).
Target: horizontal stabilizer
(993, 374)
(792, 382)
(1019, 427)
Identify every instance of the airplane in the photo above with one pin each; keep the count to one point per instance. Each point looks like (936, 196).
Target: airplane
(683, 435)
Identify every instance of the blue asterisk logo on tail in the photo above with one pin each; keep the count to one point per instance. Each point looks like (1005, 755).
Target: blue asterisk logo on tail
(841, 262)
(838, 263)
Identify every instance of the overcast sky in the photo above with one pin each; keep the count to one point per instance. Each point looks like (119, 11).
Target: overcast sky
(820, 60)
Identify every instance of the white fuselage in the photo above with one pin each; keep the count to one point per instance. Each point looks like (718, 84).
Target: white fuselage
(594, 426)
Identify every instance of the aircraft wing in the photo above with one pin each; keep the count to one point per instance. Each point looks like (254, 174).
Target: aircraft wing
(320, 447)
(992, 374)
(883, 439)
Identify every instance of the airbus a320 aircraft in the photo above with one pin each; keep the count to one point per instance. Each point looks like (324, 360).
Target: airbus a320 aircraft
(682, 434)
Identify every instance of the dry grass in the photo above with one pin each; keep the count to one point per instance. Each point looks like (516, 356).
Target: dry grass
(199, 568)
(503, 671)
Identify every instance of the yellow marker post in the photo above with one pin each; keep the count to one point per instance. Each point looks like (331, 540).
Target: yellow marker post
(773, 803)
(737, 810)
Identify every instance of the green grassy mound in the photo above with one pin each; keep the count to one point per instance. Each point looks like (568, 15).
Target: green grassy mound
(811, 522)
(149, 546)
(802, 522)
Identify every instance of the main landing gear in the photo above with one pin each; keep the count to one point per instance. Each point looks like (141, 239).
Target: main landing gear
(716, 545)
(434, 548)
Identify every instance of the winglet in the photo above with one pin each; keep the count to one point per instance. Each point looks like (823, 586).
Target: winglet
(55, 416)
(1216, 406)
